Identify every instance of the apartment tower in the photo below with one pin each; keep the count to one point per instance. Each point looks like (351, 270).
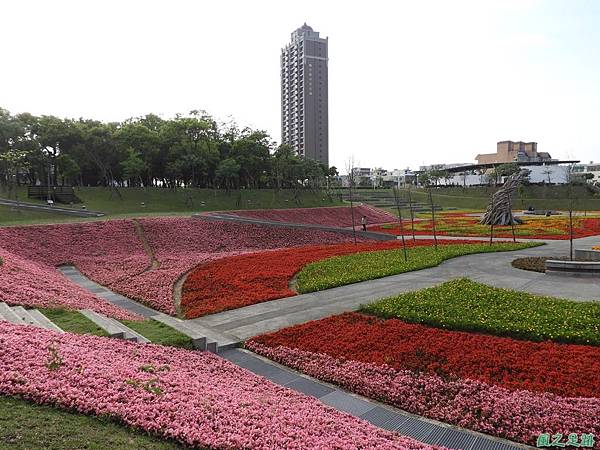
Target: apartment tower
(304, 106)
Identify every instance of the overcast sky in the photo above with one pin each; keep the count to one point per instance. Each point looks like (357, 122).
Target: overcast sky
(410, 82)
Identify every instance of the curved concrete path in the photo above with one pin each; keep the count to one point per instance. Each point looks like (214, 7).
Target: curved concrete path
(359, 233)
(493, 269)
(378, 414)
(50, 209)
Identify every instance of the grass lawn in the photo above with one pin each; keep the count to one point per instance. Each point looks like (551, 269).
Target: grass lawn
(72, 321)
(159, 201)
(469, 306)
(157, 332)
(25, 426)
(14, 216)
(347, 269)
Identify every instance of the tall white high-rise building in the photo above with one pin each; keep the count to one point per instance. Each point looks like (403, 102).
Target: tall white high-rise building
(304, 105)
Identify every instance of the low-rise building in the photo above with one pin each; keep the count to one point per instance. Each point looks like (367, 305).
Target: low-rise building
(509, 151)
(590, 172)
(481, 174)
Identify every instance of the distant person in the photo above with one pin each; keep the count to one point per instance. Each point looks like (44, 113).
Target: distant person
(363, 222)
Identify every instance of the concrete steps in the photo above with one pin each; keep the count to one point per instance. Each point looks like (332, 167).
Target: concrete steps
(203, 338)
(21, 316)
(114, 328)
(24, 316)
(43, 321)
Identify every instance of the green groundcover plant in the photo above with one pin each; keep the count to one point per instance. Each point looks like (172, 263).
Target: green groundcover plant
(465, 305)
(342, 270)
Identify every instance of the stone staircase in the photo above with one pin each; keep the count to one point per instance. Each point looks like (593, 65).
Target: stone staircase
(21, 316)
(385, 199)
(203, 338)
(114, 328)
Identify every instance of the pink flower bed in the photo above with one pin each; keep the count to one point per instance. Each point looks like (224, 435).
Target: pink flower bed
(112, 254)
(517, 415)
(195, 398)
(339, 216)
(180, 244)
(26, 283)
(105, 251)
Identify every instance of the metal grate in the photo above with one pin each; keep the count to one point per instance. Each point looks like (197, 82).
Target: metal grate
(309, 387)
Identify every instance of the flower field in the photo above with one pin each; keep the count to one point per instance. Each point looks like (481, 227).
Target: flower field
(460, 224)
(566, 370)
(518, 415)
(242, 280)
(347, 269)
(112, 253)
(106, 252)
(195, 398)
(237, 281)
(180, 244)
(465, 305)
(337, 216)
(26, 283)
(424, 352)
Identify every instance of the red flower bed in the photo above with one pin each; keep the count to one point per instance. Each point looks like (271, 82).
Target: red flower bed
(340, 216)
(566, 370)
(237, 281)
(181, 243)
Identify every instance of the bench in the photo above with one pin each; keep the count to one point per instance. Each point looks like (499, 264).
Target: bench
(573, 268)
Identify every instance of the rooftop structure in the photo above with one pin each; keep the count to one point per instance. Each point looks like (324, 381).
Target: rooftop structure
(509, 151)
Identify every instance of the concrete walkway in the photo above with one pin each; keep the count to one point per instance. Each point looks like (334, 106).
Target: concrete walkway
(381, 415)
(50, 209)
(73, 274)
(493, 269)
(359, 233)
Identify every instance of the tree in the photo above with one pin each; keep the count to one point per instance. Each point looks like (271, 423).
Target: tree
(11, 161)
(228, 171)
(436, 173)
(186, 150)
(143, 137)
(502, 170)
(55, 137)
(507, 169)
(350, 164)
(426, 182)
(412, 211)
(133, 167)
(548, 172)
(68, 168)
(396, 193)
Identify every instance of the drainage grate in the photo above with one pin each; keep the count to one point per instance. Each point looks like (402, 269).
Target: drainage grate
(416, 428)
(309, 387)
(384, 418)
(347, 403)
